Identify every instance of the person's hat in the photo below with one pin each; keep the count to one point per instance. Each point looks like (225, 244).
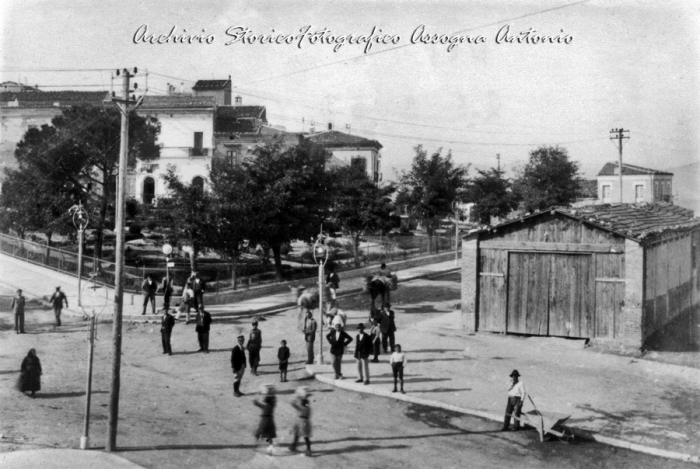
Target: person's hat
(361, 327)
(267, 388)
(515, 374)
(241, 336)
(302, 391)
(255, 320)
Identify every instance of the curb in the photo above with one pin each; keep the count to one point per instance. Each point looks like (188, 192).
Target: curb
(582, 434)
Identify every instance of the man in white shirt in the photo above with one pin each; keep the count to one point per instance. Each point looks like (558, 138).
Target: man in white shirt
(516, 398)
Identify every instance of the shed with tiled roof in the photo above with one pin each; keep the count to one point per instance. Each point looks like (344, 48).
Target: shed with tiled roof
(624, 273)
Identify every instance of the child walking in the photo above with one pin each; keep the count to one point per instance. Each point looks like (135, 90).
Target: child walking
(302, 427)
(283, 356)
(266, 427)
(398, 363)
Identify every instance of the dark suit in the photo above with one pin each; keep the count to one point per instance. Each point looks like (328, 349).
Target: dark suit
(309, 337)
(166, 330)
(198, 288)
(203, 320)
(167, 287)
(238, 366)
(149, 293)
(338, 348)
(363, 348)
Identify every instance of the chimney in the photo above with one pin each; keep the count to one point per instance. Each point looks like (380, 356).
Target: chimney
(330, 126)
(239, 101)
(182, 87)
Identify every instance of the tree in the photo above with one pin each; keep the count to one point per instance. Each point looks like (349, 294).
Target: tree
(430, 187)
(548, 179)
(38, 194)
(290, 193)
(492, 195)
(82, 145)
(360, 205)
(191, 211)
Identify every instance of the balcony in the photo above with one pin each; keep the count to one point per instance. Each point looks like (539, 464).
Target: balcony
(199, 151)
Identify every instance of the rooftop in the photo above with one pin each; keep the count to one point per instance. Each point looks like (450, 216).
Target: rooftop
(635, 221)
(41, 99)
(210, 85)
(333, 139)
(239, 119)
(178, 101)
(610, 169)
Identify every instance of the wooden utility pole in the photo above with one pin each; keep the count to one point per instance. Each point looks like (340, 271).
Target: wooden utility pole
(85, 439)
(123, 103)
(619, 134)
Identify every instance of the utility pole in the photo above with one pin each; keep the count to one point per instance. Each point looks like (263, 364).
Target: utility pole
(619, 134)
(85, 439)
(498, 157)
(123, 103)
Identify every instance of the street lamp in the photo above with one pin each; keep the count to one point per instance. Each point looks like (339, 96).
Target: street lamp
(320, 253)
(80, 220)
(167, 249)
(455, 207)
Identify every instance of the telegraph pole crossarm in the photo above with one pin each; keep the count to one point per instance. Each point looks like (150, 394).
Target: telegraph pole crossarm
(619, 135)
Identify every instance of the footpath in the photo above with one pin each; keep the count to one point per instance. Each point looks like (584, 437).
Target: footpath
(630, 403)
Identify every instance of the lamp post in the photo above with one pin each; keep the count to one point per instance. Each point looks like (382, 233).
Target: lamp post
(320, 253)
(167, 249)
(455, 207)
(80, 220)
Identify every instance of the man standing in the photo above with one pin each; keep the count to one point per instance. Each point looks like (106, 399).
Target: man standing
(166, 330)
(18, 309)
(384, 327)
(57, 300)
(167, 287)
(198, 288)
(338, 339)
(203, 320)
(516, 398)
(254, 346)
(333, 282)
(238, 365)
(149, 287)
(309, 336)
(363, 348)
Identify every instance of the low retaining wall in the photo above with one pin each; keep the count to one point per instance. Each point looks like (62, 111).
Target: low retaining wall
(233, 296)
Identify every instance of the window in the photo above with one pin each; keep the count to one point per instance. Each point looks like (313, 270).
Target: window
(606, 194)
(359, 162)
(638, 193)
(197, 150)
(232, 156)
(657, 193)
(149, 191)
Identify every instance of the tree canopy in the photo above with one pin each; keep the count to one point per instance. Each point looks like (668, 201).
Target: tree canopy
(431, 186)
(492, 195)
(359, 204)
(549, 179)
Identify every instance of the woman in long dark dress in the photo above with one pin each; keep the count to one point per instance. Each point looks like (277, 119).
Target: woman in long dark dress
(266, 427)
(30, 374)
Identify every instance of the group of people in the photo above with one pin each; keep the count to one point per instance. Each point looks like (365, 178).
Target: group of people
(57, 300)
(267, 430)
(192, 296)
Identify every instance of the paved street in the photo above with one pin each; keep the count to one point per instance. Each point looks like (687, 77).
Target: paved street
(179, 409)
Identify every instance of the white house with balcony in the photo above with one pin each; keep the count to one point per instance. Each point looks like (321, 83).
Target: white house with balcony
(186, 139)
(638, 184)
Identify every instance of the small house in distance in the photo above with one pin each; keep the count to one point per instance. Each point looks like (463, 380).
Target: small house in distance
(623, 273)
(638, 184)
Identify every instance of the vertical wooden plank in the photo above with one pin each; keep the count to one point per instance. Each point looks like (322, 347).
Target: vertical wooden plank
(538, 294)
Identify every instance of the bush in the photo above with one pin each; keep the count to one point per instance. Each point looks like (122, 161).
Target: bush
(285, 249)
(151, 225)
(135, 229)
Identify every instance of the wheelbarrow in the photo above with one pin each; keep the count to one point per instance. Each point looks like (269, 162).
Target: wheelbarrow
(547, 423)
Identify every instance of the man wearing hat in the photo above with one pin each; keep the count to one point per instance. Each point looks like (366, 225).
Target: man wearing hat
(254, 346)
(57, 300)
(238, 365)
(338, 339)
(516, 398)
(363, 348)
(309, 336)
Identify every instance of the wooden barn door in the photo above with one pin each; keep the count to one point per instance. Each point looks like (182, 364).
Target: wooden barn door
(571, 296)
(550, 294)
(492, 290)
(528, 293)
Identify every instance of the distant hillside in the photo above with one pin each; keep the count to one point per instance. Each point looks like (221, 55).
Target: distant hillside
(686, 186)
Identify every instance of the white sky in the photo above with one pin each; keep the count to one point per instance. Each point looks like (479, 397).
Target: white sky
(631, 64)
